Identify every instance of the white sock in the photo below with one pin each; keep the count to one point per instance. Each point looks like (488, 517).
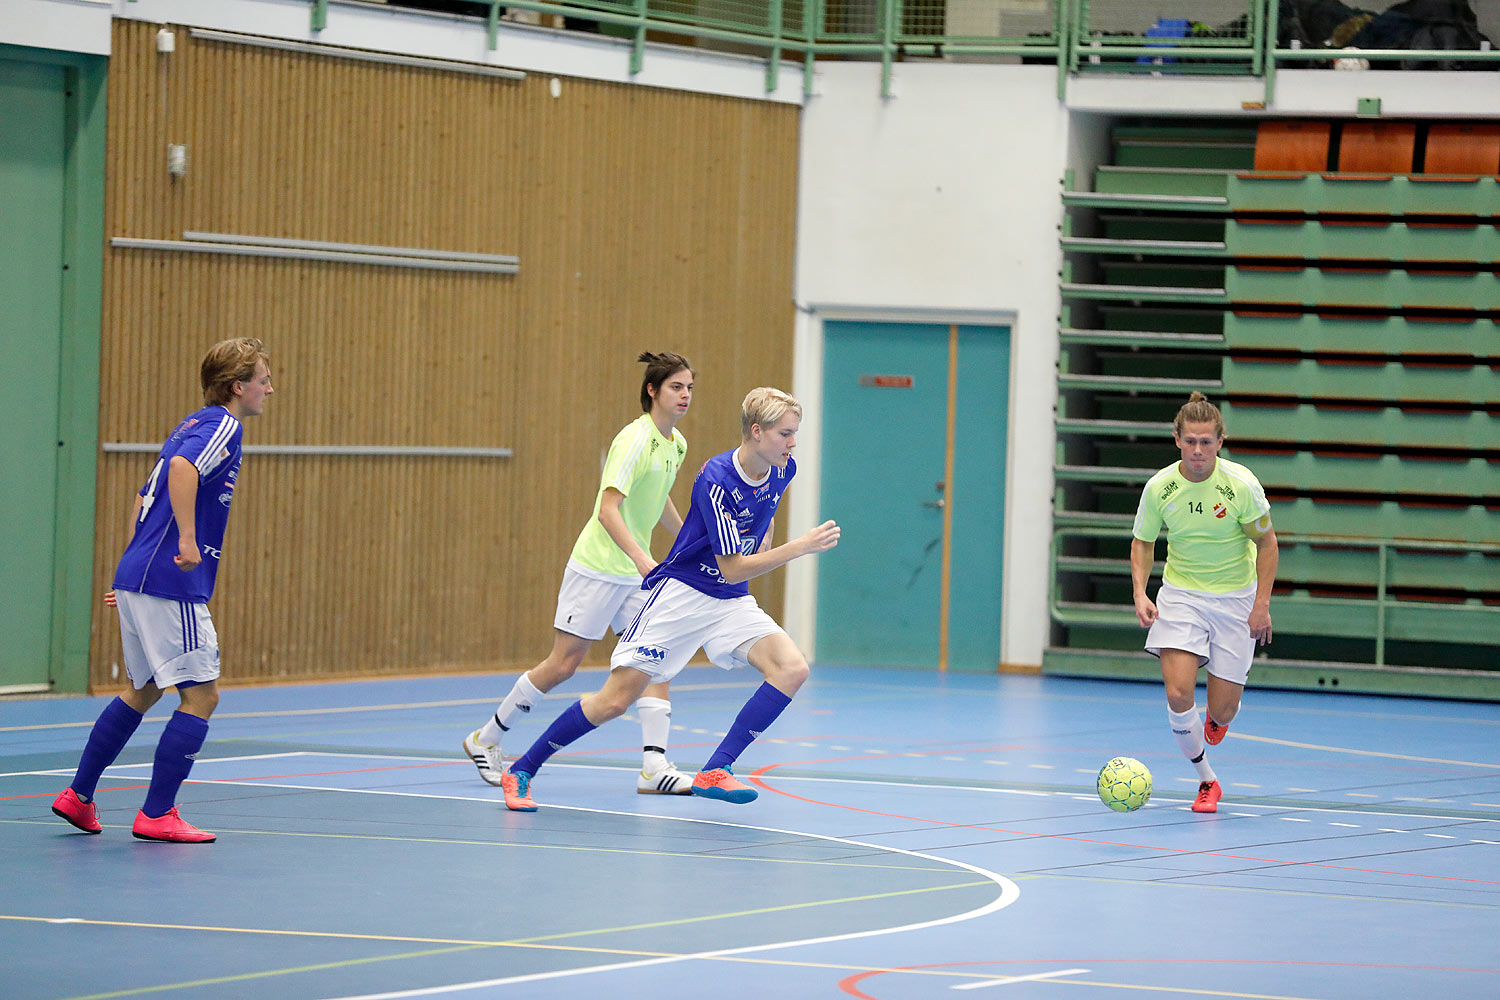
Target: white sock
(656, 723)
(523, 695)
(1187, 730)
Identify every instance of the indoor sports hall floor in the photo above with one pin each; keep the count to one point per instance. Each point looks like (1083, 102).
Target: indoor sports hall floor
(916, 834)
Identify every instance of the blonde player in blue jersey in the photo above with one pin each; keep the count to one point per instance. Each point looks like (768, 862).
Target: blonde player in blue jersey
(161, 590)
(601, 585)
(1214, 605)
(698, 598)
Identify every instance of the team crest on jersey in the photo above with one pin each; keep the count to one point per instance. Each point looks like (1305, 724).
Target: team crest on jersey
(1220, 510)
(747, 546)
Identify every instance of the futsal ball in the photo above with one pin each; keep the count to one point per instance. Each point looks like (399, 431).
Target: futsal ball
(1124, 784)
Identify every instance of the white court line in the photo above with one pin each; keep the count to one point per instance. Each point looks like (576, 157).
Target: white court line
(205, 760)
(1009, 893)
(880, 784)
(1366, 753)
(1019, 979)
(344, 710)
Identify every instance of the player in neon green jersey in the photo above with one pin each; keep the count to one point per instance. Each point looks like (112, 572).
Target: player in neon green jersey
(1214, 605)
(601, 586)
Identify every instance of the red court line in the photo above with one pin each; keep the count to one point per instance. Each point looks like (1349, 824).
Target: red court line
(849, 984)
(756, 778)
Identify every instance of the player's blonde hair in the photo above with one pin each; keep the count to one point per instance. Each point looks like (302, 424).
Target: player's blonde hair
(765, 406)
(228, 362)
(1198, 410)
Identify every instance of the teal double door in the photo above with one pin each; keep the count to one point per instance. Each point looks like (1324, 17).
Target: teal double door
(913, 469)
(51, 239)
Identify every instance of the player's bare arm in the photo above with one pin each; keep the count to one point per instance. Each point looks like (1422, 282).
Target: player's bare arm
(1267, 555)
(619, 533)
(670, 519)
(1142, 555)
(182, 488)
(739, 568)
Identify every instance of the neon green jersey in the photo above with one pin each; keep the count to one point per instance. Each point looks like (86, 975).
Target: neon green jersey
(642, 464)
(1206, 547)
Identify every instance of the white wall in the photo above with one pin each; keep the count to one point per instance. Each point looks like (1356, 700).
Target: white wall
(939, 203)
(65, 25)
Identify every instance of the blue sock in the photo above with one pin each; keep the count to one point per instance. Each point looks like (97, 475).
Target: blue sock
(116, 724)
(179, 744)
(566, 728)
(763, 708)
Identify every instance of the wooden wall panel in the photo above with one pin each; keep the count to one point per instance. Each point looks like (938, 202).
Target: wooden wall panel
(644, 220)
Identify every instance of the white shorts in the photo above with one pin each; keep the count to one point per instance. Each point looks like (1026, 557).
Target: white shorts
(586, 606)
(1214, 626)
(677, 621)
(166, 641)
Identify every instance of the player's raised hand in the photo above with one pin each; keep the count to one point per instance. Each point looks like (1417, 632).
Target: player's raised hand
(822, 538)
(188, 555)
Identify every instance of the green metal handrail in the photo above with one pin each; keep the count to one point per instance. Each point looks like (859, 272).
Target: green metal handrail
(896, 30)
(1382, 598)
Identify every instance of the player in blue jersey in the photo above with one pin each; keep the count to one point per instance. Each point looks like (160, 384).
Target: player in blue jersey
(698, 598)
(161, 590)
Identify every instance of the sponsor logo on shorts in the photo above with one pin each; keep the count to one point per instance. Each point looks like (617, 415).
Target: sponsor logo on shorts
(216, 553)
(554, 746)
(656, 653)
(224, 498)
(754, 734)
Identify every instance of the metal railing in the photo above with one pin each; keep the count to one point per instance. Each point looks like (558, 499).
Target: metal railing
(1066, 612)
(1243, 37)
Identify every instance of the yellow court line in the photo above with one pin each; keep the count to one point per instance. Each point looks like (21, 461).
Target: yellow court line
(458, 945)
(1188, 883)
(507, 943)
(267, 973)
(538, 847)
(755, 912)
(1173, 989)
(1365, 753)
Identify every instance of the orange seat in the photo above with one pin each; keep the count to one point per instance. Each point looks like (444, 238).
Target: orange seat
(1298, 147)
(1469, 150)
(1377, 147)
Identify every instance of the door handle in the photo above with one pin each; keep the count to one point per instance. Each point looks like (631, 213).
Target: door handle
(939, 504)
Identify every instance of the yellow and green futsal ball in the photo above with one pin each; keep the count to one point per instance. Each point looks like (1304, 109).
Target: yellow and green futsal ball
(1124, 784)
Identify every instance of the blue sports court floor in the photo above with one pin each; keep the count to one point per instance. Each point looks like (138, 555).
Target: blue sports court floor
(916, 834)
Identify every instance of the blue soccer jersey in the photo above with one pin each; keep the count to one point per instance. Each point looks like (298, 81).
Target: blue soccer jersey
(728, 515)
(210, 439)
